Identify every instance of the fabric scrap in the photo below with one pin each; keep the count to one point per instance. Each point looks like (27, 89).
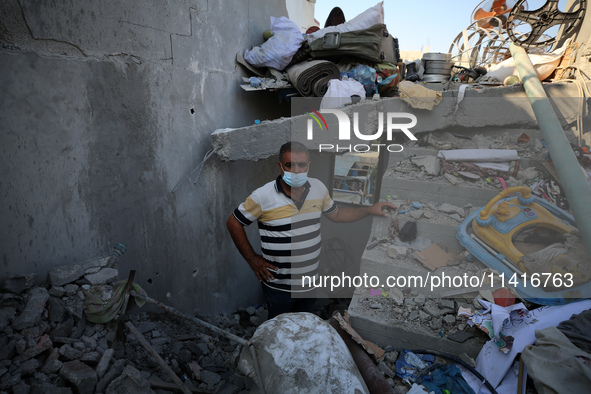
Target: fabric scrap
(339, 93)
(311, 77)
(493, 365)
(278, 50)
(556, 365)
(578, 330)
(100, 310)
(409, 365)
(418, 96)
(447, 377)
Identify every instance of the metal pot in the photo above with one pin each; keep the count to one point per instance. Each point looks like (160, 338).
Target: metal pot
(437, 66)
(446, 57)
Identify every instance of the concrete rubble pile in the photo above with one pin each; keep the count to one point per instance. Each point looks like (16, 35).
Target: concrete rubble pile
(425, 165)
(438, 316)
(48, 346)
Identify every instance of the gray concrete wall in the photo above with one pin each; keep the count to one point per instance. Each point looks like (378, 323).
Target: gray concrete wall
(105, 107)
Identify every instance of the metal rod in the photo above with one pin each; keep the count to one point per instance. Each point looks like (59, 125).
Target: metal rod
(495, 254)
(199, 168)
(173, 311)
(157, 357)
(128, 286)
(373, 377)
(213, 328)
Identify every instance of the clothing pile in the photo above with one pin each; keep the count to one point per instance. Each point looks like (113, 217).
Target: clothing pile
(356, 58)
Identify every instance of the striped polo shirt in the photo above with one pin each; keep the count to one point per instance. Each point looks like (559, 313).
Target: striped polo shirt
(290, 230)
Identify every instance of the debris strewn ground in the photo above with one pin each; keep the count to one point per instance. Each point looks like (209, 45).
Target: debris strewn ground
(47, 344)
(428, 167)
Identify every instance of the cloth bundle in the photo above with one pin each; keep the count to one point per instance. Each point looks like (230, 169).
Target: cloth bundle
(311, 77)
(278, 51)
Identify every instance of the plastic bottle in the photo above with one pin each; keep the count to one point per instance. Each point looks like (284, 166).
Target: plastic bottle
(118, 250)
(255, 82)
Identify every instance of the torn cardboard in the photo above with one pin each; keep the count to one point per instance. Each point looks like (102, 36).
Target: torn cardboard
(435, 256)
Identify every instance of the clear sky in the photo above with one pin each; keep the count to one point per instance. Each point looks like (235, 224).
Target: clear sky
(433, 23)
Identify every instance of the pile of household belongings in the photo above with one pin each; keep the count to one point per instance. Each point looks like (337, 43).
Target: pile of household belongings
(357, 58)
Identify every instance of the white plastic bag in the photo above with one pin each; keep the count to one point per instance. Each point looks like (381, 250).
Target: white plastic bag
(366, 19)
(278, 51)
(339, 93)
(544, 64)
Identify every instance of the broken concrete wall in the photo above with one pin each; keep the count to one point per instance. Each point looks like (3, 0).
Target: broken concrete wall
(106, 107)
(501, 108)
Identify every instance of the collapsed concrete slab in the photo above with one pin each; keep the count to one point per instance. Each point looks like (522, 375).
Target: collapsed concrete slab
(437, 192)
(504, 107)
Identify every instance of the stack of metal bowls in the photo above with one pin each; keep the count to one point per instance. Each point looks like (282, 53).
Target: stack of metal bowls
(437, 66)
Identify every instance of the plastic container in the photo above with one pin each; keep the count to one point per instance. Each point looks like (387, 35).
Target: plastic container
(255, 82)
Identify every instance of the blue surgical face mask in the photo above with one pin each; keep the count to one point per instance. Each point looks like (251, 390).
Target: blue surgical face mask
(295, 179)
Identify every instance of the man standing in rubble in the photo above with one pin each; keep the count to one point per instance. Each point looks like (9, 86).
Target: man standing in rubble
(288, 212)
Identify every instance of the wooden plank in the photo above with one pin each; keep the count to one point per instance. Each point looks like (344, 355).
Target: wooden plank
(156, 384)
(158, 359)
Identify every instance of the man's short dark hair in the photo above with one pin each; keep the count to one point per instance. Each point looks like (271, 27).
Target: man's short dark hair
(293, 146)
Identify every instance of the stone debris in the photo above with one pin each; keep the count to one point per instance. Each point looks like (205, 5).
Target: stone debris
(448, 208)
(456, 217)
(452, 179)
(527, 174)
(105, 275)
(430, 164)
(60, 352)
(20, 283)
(396, 252)
(47, 346)
(383, 367)
(130, 381)
(33, 310)
(70, 273)
(429, 212)
(424, 166)
(396, 296)
(416, 215)
(436, 317)
(80, 375)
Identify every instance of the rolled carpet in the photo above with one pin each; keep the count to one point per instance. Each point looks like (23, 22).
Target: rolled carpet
(311, 77)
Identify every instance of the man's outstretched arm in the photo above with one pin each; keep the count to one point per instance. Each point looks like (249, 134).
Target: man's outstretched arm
(350, 214)
(256, 262)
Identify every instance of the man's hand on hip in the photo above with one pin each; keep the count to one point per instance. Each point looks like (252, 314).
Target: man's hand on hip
(261, 268)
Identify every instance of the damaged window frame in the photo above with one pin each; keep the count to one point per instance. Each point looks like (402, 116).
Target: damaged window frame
(324, 164)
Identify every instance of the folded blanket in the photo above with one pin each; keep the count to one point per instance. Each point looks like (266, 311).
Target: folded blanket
(311, 77)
